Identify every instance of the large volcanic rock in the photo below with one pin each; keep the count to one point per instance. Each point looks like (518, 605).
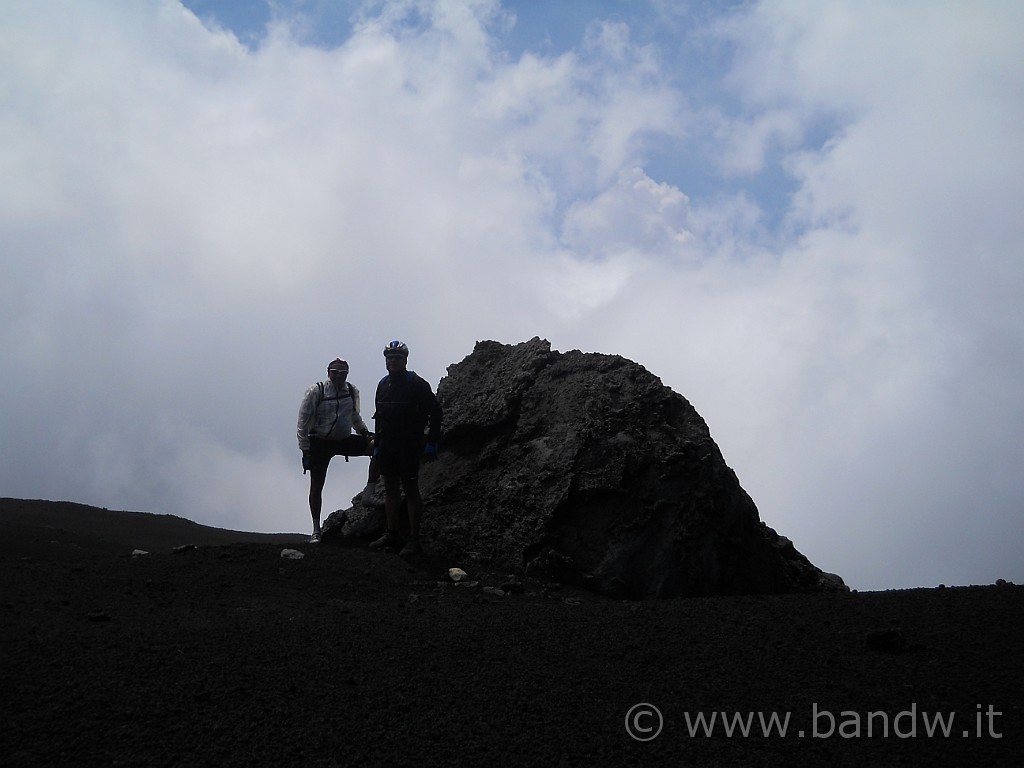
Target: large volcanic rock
(586, 466)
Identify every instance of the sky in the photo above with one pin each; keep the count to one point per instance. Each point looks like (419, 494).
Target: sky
(804, 217)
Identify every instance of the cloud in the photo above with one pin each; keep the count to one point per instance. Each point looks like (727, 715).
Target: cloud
(903, 227)
(193, 227)
(636, 212)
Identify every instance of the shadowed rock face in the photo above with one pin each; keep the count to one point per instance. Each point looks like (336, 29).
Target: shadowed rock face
(585, 467)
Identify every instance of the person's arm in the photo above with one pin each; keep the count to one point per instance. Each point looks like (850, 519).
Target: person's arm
(357, 417)
(434, 414)
(307, 411)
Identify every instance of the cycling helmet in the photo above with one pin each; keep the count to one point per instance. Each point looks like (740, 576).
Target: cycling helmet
(396, 348)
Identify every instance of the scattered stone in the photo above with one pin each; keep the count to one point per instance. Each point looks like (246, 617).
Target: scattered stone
(139, 552)
(291, 554)
(494, 591)
(456, 574)
(183, 549)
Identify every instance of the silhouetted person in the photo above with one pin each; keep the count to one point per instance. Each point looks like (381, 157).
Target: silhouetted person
(406, 406)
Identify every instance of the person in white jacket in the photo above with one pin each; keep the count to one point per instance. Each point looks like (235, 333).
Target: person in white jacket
(327, 416)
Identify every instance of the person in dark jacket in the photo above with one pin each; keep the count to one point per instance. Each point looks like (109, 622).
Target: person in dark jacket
(406, 409)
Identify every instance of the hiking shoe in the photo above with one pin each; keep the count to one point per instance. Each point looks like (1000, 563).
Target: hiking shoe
(389, 539)
(314, 539)
(412, 547)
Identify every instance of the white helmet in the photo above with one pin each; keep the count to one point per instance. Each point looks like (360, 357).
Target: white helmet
(396, 348)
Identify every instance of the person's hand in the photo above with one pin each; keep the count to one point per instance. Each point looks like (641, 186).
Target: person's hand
(305, 463)
(430, 452)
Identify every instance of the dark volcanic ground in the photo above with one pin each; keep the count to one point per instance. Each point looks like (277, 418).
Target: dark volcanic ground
(229, 654)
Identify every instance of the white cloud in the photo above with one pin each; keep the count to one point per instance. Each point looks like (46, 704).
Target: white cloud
(191, 229)
(909, 240)
(635, 213)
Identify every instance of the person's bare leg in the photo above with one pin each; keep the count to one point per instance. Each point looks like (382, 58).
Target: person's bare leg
(392, 500)
(414, 502)
(316, 502)
(372, 476)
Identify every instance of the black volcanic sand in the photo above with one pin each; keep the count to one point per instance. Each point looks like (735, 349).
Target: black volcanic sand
(229, 654)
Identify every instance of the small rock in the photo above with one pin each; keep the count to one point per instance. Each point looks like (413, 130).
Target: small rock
(183, 549)
(139, 552)
(292, 554)
(456, 574)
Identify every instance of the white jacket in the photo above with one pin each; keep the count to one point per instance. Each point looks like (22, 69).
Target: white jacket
(328, 414)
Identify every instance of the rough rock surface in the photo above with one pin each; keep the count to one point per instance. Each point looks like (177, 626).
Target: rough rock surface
(587, 468)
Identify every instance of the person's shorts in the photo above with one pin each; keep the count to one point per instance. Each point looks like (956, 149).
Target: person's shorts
(322, 451)
(402, 460)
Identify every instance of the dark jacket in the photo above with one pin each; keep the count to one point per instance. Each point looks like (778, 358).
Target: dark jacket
(405, 407)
